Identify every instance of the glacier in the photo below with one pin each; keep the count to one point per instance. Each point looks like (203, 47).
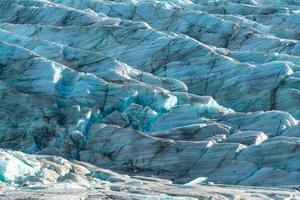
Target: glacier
(149, 99)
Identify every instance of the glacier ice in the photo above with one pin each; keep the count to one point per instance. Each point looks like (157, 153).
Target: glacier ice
(189, 92)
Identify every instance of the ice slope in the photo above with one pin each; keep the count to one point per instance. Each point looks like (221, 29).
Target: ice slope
(51, 177)
(175, 89)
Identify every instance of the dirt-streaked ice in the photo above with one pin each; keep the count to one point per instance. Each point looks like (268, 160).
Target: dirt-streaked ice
(177, 94)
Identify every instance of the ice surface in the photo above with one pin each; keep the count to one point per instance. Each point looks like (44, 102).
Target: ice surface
(176, 89)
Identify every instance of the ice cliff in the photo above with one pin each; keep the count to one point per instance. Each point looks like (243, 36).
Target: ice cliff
(177, 94)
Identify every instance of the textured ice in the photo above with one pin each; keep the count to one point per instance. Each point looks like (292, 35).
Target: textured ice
(192, 92)
(13, 169)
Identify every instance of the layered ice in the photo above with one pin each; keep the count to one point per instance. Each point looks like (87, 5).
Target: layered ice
(190, 91)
